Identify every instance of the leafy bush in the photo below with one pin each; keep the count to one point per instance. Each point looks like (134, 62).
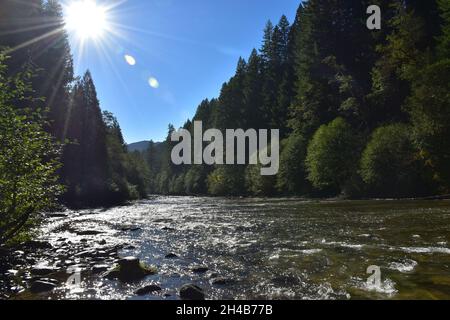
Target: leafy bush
(257, 184)
(291, 177)
(195, 180)
(389, 163)
(332, 156)
(28, 160)
(226, 181)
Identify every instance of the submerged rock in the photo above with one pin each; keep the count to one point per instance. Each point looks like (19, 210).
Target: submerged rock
(200, 269)
(88, 232)
(191, 292)
(130, 228)
(42, 286)
(148, 289)
(171, 256)
(220, 281)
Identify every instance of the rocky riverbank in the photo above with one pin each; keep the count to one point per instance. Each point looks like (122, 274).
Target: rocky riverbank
(36, 269)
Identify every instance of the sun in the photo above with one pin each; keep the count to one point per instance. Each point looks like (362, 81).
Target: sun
(86, 19)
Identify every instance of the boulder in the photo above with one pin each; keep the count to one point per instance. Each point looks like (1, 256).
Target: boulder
(148, 289)
(42, 286)
(129, 264)
(129, 269)
(191, 292)
(171, 256)
(111, 274)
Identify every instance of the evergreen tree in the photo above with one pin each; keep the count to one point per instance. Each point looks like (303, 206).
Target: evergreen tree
(85, 169)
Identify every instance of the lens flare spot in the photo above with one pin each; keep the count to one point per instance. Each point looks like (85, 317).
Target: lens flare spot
(130, 60)
(153, 83)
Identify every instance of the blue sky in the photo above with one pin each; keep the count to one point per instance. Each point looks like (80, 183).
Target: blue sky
(190, 46)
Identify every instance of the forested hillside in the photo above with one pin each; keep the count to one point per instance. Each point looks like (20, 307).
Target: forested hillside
(364, 113)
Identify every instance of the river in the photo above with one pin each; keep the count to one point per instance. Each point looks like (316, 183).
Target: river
(257, 248)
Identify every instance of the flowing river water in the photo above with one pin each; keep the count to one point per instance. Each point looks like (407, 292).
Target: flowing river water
(258, 248)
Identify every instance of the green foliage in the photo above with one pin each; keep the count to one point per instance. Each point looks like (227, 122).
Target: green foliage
(292, 175)
(129, 174)
(429, 108)
(138, 174)
(258, 185)
(194, 181)
(85, 157)
(177, 185)
(390, 164)
(28, 160)
(444, 39)
(332, 155)
(309, 73)
(226, 181)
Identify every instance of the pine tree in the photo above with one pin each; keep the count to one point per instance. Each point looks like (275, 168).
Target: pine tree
(85, 169)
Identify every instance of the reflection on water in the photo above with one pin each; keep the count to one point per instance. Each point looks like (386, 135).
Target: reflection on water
(271, 249)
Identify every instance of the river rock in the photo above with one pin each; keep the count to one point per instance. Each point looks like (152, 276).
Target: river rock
(171, 256)
(220, 281)
(148, 289)
(42, 286)
(111, 274)
(19, 253)
(129, 269)
(200, 269)
(88, 232)
(54, 281)
(98, 268)
(191, 292)
(130, 228)
(43, 270)
(86, 254)
(33, 244)
(12, 272)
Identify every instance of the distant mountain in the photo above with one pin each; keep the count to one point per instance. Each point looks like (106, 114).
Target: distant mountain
(138, 146)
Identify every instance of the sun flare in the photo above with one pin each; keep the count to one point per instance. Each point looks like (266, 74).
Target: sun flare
(86, 19)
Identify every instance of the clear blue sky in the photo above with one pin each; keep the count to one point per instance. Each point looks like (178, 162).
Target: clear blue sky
(190, 46)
